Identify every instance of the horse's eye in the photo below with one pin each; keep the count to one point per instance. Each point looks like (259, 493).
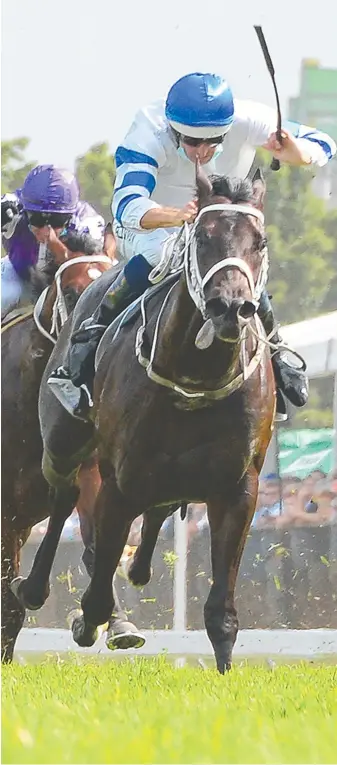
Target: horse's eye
(264, 243)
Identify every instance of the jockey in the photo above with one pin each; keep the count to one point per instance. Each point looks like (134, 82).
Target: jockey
(154, 195)
(45, 214)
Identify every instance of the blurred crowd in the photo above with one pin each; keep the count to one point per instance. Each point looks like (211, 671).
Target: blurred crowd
(285, 503)
(291, 501)
(281, 503)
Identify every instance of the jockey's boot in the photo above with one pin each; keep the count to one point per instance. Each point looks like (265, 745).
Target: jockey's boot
(72, 383)
(291, 381)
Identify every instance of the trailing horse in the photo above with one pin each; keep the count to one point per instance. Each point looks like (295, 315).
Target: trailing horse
(26, 347)
(194, 426)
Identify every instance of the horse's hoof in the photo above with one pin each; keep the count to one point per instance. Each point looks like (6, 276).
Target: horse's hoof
(14, 585)
(18, 589)
(75, 613)
(124, 635)
(85, 635)
(139, 578)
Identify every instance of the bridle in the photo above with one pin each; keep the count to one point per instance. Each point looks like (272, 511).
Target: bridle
(60, 311)
(196, 283)
(196, 287)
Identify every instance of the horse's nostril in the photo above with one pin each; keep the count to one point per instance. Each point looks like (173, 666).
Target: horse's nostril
(217, 307)
(247, 310)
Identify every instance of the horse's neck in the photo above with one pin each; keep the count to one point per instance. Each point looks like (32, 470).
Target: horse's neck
(47, 311)
(177, 352)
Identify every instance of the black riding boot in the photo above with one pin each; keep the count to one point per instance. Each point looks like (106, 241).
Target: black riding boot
(79, 367)
(290, 381)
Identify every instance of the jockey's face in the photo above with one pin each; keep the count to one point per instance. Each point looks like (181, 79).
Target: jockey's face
(41, 224)
(203, 150)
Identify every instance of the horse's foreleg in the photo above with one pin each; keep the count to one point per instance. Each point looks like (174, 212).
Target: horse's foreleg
(230, 518)
(113, 518)
(140, 570)
(89, 481)
(12, 612)
(121, 633)
(33, 591)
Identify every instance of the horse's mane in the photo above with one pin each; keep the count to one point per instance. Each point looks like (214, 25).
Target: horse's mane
(234, 189)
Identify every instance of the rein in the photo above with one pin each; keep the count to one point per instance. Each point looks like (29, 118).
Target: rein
(60, 313)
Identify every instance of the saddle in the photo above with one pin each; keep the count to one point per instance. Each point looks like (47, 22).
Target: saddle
(131, 313)
(16, 316)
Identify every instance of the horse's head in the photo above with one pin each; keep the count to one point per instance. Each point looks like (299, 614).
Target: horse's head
(77, 273)
(228, 258)
(71, 278)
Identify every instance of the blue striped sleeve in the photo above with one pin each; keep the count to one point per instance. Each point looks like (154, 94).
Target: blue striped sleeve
(129, 156)
(123, 204)
(315, 136)
(138, 178)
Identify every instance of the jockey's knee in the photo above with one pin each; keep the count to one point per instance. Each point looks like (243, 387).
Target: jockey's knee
(148, 243)
(137, 272)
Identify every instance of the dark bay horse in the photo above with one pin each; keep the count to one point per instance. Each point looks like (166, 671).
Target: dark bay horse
(25, 351)
(194, 427)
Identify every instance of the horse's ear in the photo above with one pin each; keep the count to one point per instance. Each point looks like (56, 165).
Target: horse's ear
(259, 189)
(203, 184)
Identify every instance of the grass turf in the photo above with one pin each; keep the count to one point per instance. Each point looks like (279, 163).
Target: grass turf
(148, 711)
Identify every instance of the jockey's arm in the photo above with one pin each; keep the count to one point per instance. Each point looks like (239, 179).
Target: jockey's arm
(131, 203)
(165, 217)
(57, 249)
(312, 149)
(137, 164)
(301, 144)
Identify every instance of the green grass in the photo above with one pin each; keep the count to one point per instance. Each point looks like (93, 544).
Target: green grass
(147, 711)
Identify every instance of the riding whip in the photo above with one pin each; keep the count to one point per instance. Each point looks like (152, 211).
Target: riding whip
(275, 165)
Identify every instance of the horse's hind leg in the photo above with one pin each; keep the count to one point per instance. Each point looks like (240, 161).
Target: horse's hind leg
(33, 591)
(66, 446)
(230, 518)
(12, 612)
(113, 518)
(140, 570)
(121, 632)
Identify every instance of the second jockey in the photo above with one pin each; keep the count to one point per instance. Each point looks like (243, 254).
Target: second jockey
(45, 215)
(154, 195)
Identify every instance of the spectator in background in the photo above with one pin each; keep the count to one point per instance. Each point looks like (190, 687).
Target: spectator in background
(322, 507)
(269, 502)
(197, 519)
(309, 507)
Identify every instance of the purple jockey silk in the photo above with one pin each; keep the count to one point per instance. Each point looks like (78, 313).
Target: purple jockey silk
(22, 247)
(50, 189)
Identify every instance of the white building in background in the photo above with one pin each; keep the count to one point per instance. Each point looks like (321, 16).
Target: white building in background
(316, 105)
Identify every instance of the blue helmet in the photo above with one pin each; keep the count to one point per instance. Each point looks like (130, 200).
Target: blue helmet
(51, 190)
(200, 105)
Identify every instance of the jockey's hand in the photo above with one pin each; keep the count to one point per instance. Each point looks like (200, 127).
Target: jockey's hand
(9, 208)
(187, 214)
(47, 235)
(43, 235)
(291, 151)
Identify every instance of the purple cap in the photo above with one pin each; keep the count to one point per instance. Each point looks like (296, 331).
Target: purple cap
(50, 189)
